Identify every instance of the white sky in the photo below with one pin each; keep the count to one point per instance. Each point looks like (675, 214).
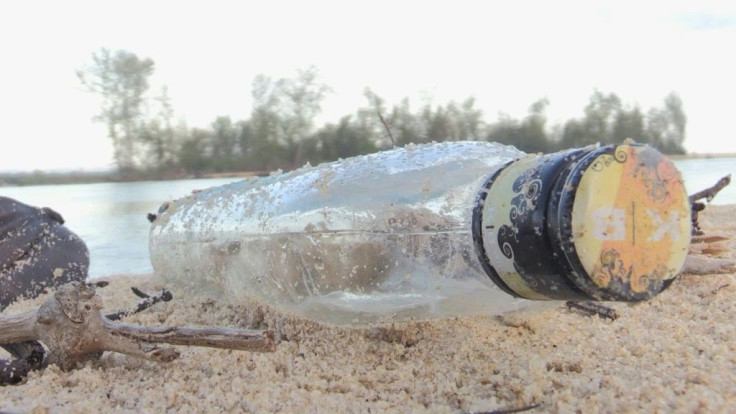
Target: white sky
(506, 54)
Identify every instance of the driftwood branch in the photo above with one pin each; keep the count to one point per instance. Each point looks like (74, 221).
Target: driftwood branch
(702, 258)
(696, 206)
(71, 326)
(228, 338)
(711, 192)
(703, 255)
(698, 264)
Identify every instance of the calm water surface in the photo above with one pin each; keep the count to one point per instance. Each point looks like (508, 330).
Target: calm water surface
(111, 217)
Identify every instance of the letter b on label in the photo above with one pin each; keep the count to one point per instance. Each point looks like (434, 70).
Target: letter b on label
(609, 223)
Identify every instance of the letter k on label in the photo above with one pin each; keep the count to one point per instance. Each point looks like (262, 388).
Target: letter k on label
(669, 227)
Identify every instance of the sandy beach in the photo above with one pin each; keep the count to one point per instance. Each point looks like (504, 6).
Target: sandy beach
(674, 353)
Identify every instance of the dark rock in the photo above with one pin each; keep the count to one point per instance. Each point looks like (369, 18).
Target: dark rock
(36, 251)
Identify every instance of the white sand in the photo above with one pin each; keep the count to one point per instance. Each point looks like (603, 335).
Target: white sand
(674, 353)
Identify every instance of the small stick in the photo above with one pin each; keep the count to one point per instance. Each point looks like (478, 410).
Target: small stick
(711, 192)
(701, 259)
(511, 410)
(698, 264)
(147, 302)
(696, 206)
(71, 326)
(228, 338)
(709, 238)
(719, 288)
(141, 294)
(592, 308)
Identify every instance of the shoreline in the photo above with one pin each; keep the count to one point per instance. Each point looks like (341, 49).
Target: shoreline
(32, 178)
(697, 156)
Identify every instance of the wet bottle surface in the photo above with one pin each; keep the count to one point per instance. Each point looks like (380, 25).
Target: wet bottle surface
(432, 230)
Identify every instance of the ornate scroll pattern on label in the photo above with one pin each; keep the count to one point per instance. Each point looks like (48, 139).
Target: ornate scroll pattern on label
(611, 268)
(605, 160)
(513, 227)
(527, 188)
(651, 176)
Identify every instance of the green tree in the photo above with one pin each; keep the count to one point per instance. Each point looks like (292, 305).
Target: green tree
(261, 137)
(407, 127)
(194, 154)
(120, 78)
(666, 126)
(597, 126)
(469, 120)
(346, 139)
(452, 122)
(505, 130)
(629, 123)
(160, 136)
(225, 149)
(528, 135)
(370, 122)
(599, 115)
(284, 111)
(534, 133)
(574, 135)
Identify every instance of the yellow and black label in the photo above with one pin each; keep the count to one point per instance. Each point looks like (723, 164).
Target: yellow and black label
(608, 223)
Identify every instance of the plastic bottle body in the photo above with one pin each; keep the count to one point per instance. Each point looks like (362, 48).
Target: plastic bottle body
(386, 235)
(434, 230)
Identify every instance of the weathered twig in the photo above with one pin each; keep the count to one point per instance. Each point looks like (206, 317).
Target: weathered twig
(592, 308)
(696, 206)
(147, 302)
(702, 258)
(698, 264)
(71, 326)
(710, 244)
(719, 288)
(711, 192)
(704, 248)
(511, 410)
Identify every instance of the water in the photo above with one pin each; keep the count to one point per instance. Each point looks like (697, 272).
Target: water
(704, 172)
(111, 217)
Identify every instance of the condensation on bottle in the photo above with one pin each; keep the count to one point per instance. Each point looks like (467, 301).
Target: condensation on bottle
(433, 230)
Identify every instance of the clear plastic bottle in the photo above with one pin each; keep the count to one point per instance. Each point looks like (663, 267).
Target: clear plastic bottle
(433, 230)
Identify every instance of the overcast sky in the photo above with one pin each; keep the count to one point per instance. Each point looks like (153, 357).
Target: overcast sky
(506, 54)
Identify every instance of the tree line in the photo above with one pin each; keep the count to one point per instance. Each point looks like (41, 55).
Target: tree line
(281, 133)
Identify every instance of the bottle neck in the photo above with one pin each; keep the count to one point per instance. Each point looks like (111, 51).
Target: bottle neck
(510, 228)
(477, 230)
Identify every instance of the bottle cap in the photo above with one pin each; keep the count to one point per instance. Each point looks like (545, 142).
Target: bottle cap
(599, 223)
